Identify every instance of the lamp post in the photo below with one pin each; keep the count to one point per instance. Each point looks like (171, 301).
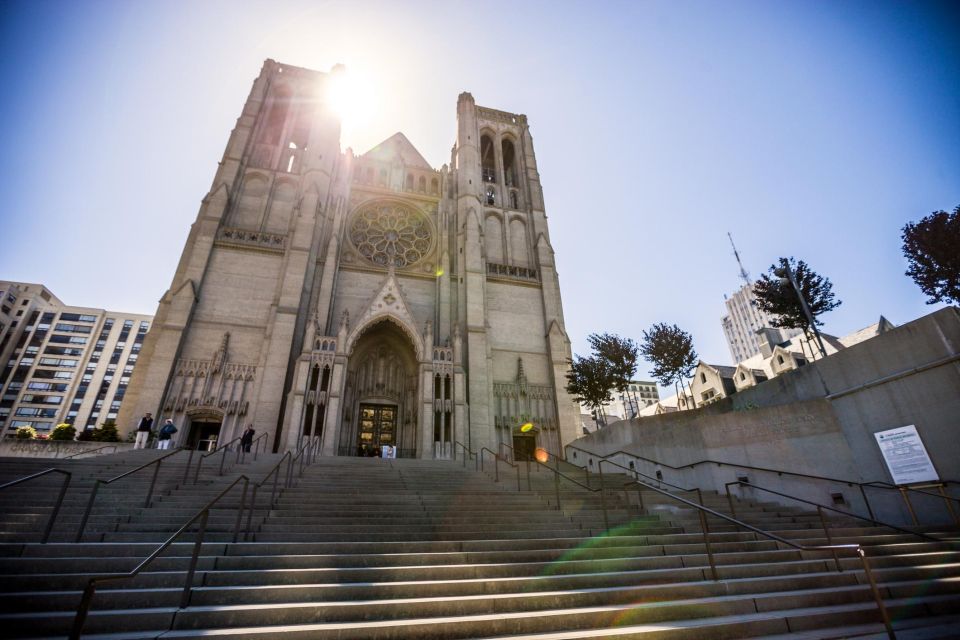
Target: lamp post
(785, 270)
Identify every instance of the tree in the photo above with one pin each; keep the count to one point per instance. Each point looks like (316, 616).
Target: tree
(670, 350)
(589, 381)
(775, 295)
(63, 431)
(106, 432)
(620, 355)
(932, 249)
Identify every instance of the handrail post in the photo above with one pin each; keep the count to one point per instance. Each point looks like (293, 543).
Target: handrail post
(863, 493)
(640, 498)
(518, 478)
(223, 459)
(826, 532)
(906, 498)
(86, 513)
(243, 505)
(496, 468)
(196, 474)
(876, 593)
(949, 505)
(186, 472)
(253, 505)
(586, 475)
(56, 508)
(153, 483)
(603, 505)
(528, 475)
(706, 541)
(188, 586)
(556, 487)
(733, 512)
(82, 610)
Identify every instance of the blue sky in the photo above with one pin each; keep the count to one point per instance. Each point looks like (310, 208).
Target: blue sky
(812, 129)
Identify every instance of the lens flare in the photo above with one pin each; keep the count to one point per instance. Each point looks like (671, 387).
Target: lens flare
(526, 427)
(439, 271)
(351, 98)
(541, 455)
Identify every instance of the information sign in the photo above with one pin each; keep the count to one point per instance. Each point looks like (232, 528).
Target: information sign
(905, 455)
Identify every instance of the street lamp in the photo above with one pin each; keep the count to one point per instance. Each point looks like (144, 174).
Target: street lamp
(785, 273)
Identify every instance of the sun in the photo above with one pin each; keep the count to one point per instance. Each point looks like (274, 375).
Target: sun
(352, 98)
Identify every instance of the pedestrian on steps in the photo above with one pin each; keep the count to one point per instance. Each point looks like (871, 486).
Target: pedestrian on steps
(166, 432)
(246, 440)
(143, 431)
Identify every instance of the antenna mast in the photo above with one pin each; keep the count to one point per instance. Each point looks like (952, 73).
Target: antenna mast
(743, 272)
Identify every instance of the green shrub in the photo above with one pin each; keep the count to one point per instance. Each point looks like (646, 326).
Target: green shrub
(106, 432)
(63, 431)
(26, 433)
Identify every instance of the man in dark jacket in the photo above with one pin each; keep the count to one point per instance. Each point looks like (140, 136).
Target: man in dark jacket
(143, 431)
(166, 432)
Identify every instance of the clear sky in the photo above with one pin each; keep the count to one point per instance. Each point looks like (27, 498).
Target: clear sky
(812, 129)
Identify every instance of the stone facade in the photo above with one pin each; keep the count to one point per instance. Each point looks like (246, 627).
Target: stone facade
(363, 300)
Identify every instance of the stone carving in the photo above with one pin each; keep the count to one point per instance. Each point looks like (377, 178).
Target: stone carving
(257, 239)
(511, 272)
(391, 234)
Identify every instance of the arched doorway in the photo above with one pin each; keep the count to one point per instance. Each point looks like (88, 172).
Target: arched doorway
(203, 431)
(380, 395)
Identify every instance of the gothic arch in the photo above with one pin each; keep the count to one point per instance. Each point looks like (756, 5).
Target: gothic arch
(376, 319)
(250, 204)
(281, 207)
(493, 229)
(518, 242)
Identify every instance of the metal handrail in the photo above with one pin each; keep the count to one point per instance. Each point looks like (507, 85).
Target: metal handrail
(781, 472)
(473, 455)
(299, 454)
(203, 515)
(56, 508)
(861, 552)
(222, 448)
(275, 472)
(98, 483)
(827, 507)
(556, 487)
(81, 453)
(904, 491)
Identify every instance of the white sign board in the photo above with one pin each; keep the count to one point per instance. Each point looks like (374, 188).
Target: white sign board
(905, 455)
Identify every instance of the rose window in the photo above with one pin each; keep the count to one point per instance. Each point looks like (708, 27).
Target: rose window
(390, 234)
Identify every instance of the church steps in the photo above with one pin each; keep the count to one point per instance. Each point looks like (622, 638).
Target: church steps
(465, 616)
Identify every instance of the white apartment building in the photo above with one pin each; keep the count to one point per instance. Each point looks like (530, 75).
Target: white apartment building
(744, 320)
(629, 403)
(62, 363)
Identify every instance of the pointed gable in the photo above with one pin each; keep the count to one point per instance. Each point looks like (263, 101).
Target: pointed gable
(388, 304)
(397, 146)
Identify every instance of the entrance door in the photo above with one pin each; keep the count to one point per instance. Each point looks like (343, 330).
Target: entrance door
(524, 447)
(378, 426)
(203, 435)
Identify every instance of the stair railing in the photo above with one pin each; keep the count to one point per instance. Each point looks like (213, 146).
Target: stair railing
(222, 449)
(56, 508)
(557, 474)
(83, 453)
(905, 491)
(949, 500)
(255, 445)
(99, 483)
(513, 457)
(275, 473)
(203, 516)
(299, 455)
(704, 511)
(466, 451)
(821, 507)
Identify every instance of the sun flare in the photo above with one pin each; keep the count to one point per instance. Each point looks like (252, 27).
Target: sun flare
(352, 98)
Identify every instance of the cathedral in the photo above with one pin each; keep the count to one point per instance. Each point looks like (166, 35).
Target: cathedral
(358, 301)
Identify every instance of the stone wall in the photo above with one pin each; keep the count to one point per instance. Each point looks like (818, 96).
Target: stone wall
(14, 448)
(817, 420)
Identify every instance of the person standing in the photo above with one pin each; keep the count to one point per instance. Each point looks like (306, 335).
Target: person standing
(166, 432)
(246, 440)
(143, 431)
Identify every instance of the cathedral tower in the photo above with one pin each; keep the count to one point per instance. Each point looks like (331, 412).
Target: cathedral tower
(363, 300)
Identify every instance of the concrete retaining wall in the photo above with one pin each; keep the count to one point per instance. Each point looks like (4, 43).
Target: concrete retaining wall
(817, 420)
(11, 447)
